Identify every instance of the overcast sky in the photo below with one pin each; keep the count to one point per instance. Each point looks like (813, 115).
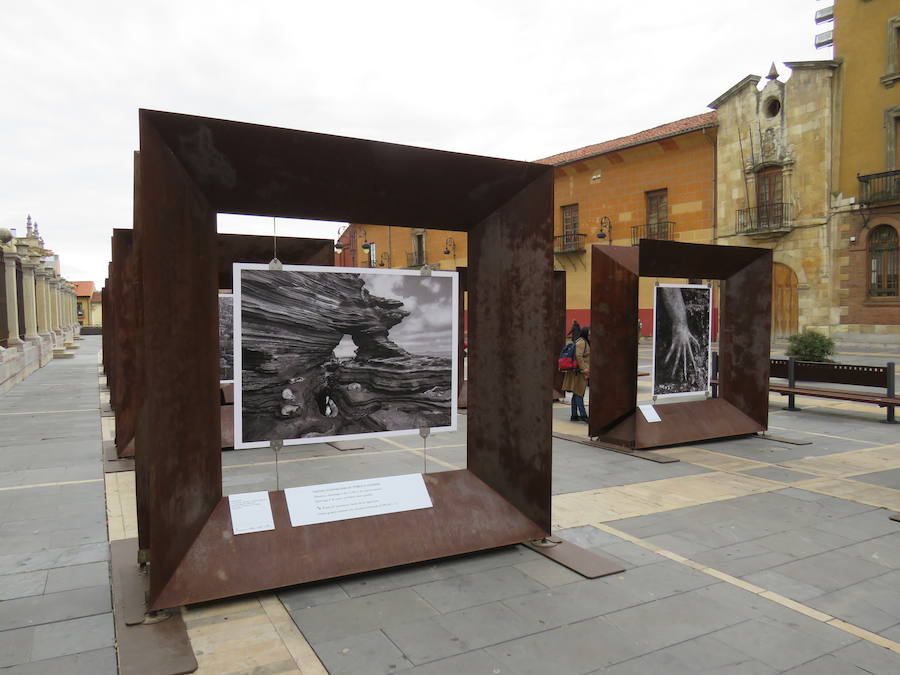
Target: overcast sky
(521, 79)
(429, 301)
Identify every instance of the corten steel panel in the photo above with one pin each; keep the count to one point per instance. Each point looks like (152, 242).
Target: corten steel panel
(232, 248)
(126, 390)
(512, 329)
(744, 343)
(197, 167)
(142, 462)
(179, 420)
(559, 310)
(614, 335)
(694, 261)
(106, 332)
(684, 422)
(260, 170)
(467, 516)
(744, 337)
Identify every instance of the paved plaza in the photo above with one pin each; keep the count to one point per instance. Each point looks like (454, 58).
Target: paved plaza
(747, 556)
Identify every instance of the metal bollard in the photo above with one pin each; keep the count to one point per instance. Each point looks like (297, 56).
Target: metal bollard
(792, 382)
(891, 391)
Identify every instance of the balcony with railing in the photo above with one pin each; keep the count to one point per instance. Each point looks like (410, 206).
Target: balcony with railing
(879, 187)
(773, 218)
(664, 230)
(571, 242)
(416, 259)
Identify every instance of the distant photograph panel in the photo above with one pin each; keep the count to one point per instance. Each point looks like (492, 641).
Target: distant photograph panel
(681, 339)
(226, 337)
(330, 354)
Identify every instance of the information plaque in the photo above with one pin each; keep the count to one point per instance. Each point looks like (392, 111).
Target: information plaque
(329, 502)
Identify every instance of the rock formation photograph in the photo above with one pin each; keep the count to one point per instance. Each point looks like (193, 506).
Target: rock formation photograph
(681, 339)
(226, 337)
(327, 354)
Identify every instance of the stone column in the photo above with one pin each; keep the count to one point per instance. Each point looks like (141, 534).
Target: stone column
(73, 309)
(28, 294)
(12, 299)
(54, 305)
(43, 315)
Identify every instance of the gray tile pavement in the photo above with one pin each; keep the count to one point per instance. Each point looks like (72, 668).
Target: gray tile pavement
(55, 603)
(512, 611)
(504, 611)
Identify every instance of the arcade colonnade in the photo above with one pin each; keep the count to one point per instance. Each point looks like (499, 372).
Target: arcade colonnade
(38, 308)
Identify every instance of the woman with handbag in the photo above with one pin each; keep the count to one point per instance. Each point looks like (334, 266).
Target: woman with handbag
(576, 380)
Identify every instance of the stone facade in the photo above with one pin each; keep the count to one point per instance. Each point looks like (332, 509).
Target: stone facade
(867, 164)
(38, 319)
(774, 162)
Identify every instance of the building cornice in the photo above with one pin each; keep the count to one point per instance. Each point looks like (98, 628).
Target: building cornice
(750, 80)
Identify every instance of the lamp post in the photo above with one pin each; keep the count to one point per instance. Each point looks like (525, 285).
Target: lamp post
(338, 244)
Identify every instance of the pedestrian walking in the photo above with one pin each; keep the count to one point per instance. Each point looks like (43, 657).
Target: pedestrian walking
(576, 380)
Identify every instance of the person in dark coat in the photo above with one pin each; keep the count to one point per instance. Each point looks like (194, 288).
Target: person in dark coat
(576, 380)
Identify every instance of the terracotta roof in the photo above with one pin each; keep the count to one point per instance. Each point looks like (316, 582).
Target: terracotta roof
(97, 297)
(84, 289)
(677, 128)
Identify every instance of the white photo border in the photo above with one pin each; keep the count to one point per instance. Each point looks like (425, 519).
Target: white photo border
(682, 395)
(238, 267)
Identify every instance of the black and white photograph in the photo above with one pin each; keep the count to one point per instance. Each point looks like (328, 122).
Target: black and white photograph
(681, 339)
(226, 337)
(338, 353)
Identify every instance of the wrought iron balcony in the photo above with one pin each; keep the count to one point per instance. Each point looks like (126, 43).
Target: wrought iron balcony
(774, 217)
(664, 230)
(879, 187)
(415, 259)
(572, 242)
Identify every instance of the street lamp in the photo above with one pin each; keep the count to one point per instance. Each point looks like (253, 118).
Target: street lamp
(450, 247)
(605, 231)
(338, 244)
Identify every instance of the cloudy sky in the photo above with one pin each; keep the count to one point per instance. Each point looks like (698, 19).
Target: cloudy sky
(509, 78)
(429, 301)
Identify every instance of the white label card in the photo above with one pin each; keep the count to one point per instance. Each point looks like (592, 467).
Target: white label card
(649, 413)
(251, 512)
(356, 499)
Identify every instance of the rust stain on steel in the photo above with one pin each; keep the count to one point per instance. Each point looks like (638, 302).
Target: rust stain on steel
(125, 390)
(614, 334)
(743, 342)
(512, 330)
(744, 337)
(190, 169)
(467, 516)
(259, 170)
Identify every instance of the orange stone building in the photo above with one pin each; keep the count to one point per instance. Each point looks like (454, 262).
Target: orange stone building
(655, 184)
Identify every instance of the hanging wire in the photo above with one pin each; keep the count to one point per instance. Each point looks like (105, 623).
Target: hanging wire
(274, 238)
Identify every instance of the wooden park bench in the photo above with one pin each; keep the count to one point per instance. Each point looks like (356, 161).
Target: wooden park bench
(794, 371)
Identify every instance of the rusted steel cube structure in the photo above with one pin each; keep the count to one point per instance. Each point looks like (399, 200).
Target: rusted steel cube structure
(744, 338)
(190, 169)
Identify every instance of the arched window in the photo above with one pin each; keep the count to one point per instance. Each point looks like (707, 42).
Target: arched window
(884, 262)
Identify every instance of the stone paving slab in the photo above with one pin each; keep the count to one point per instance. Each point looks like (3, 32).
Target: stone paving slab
(55, 608)
(889, 478)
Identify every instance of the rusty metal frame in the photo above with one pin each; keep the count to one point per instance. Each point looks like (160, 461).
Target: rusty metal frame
(745, 319)
(192, 168)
